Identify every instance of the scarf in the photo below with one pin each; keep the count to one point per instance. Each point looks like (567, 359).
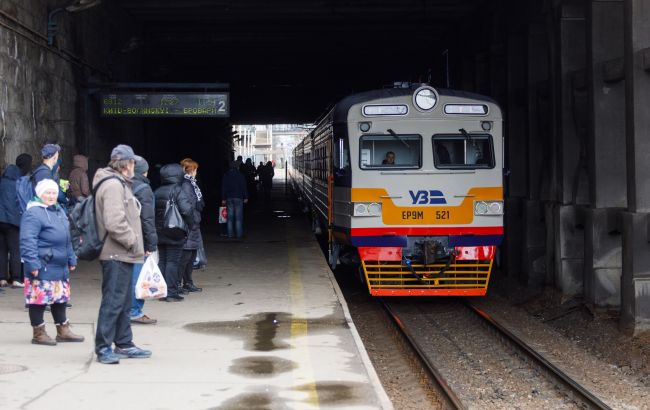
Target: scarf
(197, 190)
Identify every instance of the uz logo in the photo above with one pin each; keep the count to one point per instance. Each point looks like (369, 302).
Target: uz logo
(432, 197)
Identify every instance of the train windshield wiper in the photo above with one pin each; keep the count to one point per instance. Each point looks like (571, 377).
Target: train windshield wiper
(391, 132)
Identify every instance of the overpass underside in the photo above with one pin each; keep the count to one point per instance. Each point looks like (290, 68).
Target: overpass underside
(573, 78)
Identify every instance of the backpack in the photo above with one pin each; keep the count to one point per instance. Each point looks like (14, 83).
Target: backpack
(24, 192)
(86, 243)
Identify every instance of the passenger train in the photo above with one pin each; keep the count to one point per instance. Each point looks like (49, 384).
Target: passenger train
(408, 179)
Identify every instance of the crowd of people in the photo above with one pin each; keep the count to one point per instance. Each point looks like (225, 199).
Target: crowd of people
(37, 255)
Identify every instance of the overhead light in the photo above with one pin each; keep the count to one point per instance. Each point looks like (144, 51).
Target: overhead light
(425, 98)
(365, 126)
(486, 125)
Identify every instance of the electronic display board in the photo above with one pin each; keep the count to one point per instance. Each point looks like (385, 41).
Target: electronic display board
(164, 104)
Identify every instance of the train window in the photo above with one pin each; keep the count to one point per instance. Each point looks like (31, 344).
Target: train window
(390, 151)
(463, 151)
(341, 161)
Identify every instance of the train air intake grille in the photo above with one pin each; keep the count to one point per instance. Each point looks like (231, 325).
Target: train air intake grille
(461, 278)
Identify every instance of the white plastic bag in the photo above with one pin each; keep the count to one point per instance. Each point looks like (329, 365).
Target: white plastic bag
(150, 284)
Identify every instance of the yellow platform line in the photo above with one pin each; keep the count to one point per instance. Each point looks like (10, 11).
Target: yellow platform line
(304, 374)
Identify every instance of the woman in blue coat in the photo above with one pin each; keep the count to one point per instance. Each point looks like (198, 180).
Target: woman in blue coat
(48, 258)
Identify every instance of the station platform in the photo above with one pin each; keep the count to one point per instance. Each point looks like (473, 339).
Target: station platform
(269, 331)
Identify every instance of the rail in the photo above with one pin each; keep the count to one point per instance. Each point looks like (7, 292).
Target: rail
(452, 400)
(580, 393)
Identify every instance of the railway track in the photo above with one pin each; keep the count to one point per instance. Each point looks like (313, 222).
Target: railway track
(417, 335)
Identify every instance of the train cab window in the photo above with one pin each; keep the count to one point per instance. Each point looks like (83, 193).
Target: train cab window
(390, 151)
(470, 151)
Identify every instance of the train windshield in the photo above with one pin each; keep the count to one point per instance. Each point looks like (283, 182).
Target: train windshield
(468, 151)
(393, 151)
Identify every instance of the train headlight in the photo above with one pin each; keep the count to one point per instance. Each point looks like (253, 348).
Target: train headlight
(425, 98)
(367, 209)
(360, 210)
(488, 208)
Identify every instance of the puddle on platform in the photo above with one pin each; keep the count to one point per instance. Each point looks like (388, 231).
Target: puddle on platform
(265, 332)
(250, 401)
(261, 366)
(335, 393)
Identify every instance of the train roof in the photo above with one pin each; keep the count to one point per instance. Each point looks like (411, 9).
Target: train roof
(340, 110)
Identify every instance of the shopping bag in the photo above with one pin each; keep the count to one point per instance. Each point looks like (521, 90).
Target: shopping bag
(150, 284)
(201, 259)
(223, 214)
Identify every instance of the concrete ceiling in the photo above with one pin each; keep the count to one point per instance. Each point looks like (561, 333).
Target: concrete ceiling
(287, 60)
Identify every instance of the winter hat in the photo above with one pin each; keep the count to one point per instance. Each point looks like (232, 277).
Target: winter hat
(45, 185)
(141, 165)
(49, 150)
(122, 152)
(24, 163)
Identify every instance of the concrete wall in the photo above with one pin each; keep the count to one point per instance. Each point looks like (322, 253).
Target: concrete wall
(43, 90)
(37, 86)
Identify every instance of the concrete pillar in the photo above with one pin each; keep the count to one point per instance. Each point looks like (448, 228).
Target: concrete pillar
(606, 152)
(538, 171)
(635, 284)
(516, 145)
(570, 146)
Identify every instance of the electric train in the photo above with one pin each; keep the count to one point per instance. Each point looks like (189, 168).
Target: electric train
(408, 181)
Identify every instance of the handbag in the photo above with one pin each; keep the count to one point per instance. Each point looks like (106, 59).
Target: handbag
(174, 225)
(223, 214)
(201, 259)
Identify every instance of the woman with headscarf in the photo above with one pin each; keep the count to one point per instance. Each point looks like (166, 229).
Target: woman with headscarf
(194, 239)
(48, 257)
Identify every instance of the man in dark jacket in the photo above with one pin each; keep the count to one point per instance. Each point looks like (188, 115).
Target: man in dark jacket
(47, 170)
(10, 221)
(234, 195)
(144, 194)
(170, 244)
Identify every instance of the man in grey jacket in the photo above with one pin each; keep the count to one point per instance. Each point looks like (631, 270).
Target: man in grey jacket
(118, 219)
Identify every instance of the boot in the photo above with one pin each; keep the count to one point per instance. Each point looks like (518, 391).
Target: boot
(41, 337)
(64, 334)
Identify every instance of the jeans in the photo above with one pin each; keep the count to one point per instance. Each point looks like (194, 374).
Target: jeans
(10, 244)
(235, 217)
(136, 304)
(114, 323)
(169, 264)
(187, 266)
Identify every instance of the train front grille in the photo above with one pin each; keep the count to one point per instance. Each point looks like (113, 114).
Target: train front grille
(461, 278)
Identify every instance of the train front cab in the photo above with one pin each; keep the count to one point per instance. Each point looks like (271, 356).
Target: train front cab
(429, 224)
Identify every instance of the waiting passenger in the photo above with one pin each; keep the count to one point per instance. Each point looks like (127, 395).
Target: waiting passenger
(143, 193)
(10, 221)
(194, 238)
(44, 230)
(234, 196)
(389, 159)
(49, 169)
(170, 244)
(118, 220)
(79, 185)
(266, 177)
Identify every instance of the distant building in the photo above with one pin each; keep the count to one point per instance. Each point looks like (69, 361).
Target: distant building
(270, 142)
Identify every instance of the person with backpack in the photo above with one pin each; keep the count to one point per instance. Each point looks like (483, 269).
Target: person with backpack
(172, 239)
(118, 221)
(144, 194)
(10, 222)
(46, 250)
(194, 238)
(49, 169)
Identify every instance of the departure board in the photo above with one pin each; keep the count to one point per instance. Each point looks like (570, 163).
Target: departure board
(141, 104)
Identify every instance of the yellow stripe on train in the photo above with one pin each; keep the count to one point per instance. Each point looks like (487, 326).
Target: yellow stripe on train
(427, 215)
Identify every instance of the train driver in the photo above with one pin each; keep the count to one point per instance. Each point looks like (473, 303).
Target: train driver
(389, 159)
